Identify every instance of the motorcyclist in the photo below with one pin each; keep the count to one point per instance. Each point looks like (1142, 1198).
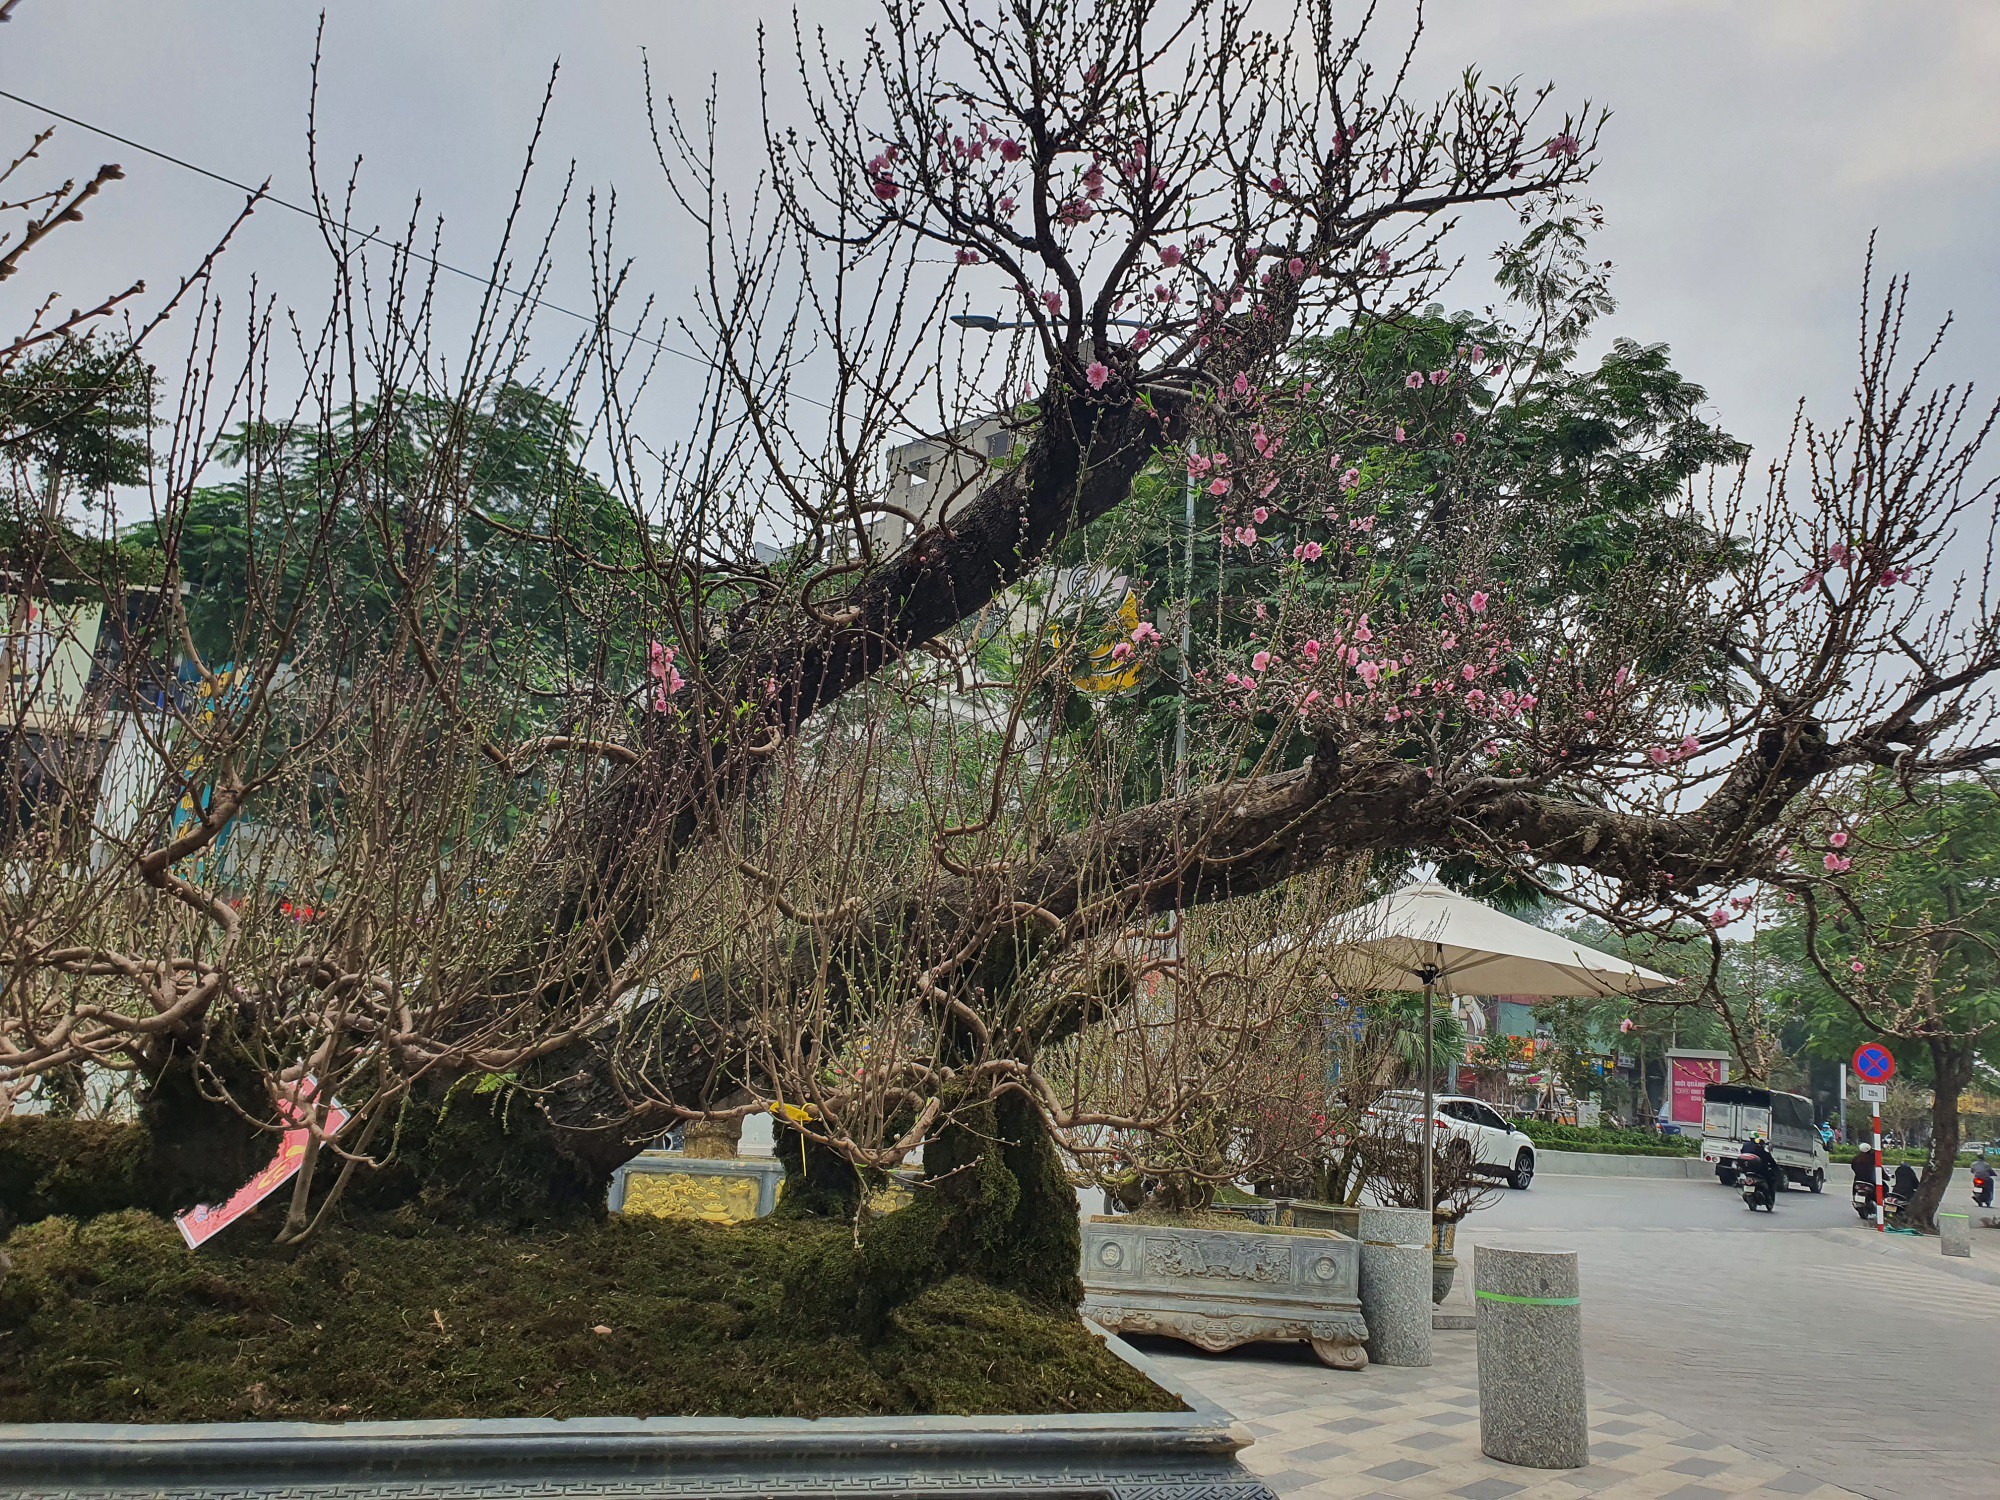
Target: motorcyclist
(1757, 1158)
(1982, 1182)
(1864, 1169)
(1903, 1185)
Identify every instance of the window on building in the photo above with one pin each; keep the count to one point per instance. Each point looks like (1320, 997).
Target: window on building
(998, 446)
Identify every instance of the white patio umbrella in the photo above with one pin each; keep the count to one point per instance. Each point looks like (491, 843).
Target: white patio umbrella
(1425, 936)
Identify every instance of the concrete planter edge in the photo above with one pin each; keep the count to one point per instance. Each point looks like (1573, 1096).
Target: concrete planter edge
(1129, 1455)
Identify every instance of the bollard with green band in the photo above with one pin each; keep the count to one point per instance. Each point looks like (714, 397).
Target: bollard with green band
(1955, 1234)
(1529, 1311)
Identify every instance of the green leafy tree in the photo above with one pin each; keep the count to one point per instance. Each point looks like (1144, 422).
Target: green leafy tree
(1905, 948)
(77, 416)
(348, 506)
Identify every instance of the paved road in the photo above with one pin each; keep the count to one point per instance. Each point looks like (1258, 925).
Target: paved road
(1791, 1335)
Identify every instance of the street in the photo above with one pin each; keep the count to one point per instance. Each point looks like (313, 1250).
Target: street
(1794, 1353)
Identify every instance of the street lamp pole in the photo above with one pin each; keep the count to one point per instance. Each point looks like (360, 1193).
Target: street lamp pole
(1187, 631)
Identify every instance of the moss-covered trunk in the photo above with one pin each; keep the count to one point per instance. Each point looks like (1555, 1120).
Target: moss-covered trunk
(995, 1204)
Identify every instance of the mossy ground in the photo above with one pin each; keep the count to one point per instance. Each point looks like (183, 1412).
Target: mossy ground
(113, 1320)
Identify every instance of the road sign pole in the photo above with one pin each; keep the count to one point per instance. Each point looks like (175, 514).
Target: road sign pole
(1875, 1112)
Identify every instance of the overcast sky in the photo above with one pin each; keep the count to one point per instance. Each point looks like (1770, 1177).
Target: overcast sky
(1753, 147)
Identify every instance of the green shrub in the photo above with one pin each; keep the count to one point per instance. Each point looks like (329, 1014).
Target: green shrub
(1607, 1139)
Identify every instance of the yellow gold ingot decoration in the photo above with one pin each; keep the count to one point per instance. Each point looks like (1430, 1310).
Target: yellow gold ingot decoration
(889, 1197)
(713, 1199)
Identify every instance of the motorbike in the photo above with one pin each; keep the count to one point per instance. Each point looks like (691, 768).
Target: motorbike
(1863, 1199)
(1759, 1191)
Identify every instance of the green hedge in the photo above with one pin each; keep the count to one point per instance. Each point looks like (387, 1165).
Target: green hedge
(1893, 1155)
(1610, 1140)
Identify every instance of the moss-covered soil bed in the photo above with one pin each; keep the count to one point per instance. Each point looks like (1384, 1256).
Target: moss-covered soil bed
(114, 1320)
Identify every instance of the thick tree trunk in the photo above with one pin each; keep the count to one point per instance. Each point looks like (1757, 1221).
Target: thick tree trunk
(1951, 1070)
(996, 1205)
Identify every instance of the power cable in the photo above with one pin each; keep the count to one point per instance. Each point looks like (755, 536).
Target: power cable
(264, 194)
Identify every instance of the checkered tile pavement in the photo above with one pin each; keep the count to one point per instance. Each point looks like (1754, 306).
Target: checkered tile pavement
(1329, 1435)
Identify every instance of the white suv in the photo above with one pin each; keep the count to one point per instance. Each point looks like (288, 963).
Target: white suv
(1496, 1146)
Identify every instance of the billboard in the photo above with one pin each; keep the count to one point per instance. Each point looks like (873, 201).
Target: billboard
(1688, 1075)
(46, 650)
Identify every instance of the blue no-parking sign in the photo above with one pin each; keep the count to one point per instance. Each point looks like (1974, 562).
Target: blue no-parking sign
(1873, 1062)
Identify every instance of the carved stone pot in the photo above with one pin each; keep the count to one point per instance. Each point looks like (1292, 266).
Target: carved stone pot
(1217, 1287)
(1444, 1258)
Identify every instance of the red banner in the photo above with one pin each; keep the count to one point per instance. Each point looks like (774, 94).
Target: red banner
(203, 1223)
(1691, 1076)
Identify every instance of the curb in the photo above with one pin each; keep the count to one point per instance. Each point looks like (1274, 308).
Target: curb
(1886, 1247)
(1606, 1164)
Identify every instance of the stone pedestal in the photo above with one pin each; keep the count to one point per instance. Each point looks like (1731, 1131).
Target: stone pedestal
(1532, 1410)
(1396, 1284)
(1955, 1234)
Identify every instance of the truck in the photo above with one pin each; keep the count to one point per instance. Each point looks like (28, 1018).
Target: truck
(1732, 1112)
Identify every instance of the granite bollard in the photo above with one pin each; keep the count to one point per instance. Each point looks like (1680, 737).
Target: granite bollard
(1396, 1284)
(1532, 1409)
(1955, 1234)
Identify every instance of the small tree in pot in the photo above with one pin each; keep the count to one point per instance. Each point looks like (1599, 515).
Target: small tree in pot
(1392, 1163)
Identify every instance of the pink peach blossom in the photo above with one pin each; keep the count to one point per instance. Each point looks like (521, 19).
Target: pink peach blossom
(1097, 374)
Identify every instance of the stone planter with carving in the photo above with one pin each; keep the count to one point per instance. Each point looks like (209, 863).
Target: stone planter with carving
(1220, 1287)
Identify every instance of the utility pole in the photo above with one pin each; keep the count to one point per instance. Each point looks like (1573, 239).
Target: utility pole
(1187, 630)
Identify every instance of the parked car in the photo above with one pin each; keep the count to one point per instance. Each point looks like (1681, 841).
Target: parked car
(1496, 1147)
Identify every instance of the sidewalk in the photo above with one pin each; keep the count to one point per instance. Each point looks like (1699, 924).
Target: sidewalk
(1406, 1433)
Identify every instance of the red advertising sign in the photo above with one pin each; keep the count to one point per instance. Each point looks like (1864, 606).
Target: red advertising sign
(1689, 1078)
(203, 1223)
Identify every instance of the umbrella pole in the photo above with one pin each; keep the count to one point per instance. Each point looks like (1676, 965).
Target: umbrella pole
(1430, 1104)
